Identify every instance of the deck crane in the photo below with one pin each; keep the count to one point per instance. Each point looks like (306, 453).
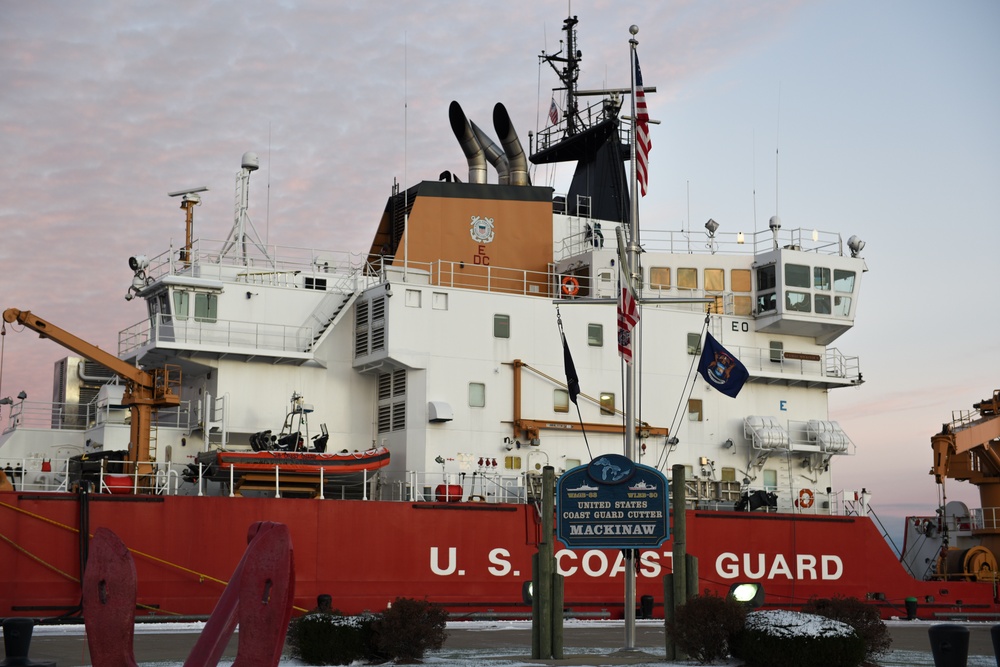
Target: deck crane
(145, 391)
(968, 449)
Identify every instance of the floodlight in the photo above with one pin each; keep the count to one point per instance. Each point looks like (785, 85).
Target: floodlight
(856, 245)
(750, 594)
(7, 400)
(711, 226)
(22, 395)
(138, 262)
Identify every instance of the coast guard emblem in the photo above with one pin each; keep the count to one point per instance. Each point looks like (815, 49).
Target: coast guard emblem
(482, 229)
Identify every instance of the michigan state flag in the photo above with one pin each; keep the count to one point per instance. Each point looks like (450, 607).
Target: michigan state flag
(721, 369)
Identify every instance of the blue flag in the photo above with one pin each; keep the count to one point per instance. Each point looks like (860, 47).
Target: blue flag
(721, 369)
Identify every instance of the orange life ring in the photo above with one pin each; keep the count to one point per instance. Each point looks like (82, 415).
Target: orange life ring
(805, 498)
(570, 286)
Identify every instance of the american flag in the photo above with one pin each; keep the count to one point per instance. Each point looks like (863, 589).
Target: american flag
(628, 317)
(642, 143)
(554, 112)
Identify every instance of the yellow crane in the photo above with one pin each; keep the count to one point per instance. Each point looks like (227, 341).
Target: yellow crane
(145, 391)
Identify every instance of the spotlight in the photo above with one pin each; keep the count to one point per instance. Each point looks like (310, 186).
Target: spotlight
(6, 401)
(138, 262)
(774, 223)
(22, 395)
(750, 594)
(856, 245)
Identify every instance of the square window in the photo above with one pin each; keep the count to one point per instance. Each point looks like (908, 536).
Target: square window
(206, 307)
(821, 278)
(842, 306)
(797, 275)
(694, 343)
(765, 278)
(800, 302)
(659, 277)
(728, 475)
(595, 335)
(843, 281)
(687, 278)
(767, 302)
(822, 303)
(607, 403)
(742, 305)
(694, 410)
(501, 326)
(739, 280)
(715, 280)
(560, 400)
(181, 304)
(477, 395)
(771, 479)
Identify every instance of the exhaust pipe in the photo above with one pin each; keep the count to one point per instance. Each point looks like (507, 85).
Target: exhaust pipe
(470, 145)
(494, 154)
(511, 145)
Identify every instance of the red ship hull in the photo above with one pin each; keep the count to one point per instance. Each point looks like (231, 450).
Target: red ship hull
(470, 557)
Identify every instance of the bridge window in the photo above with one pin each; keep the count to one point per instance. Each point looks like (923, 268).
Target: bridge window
(182, 302)
(843, 281)
(821, 278)
(798, 301)
(206, 307)
(797, 275)
(842, 306)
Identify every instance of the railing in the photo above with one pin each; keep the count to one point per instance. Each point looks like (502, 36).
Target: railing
(222, 333)
(80, 417)
(165, 479)
(277, 263)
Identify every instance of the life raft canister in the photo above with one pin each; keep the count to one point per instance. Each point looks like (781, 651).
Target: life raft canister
(805, 498)
(570, 286)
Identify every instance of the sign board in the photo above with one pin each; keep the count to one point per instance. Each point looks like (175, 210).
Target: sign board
(612, 503)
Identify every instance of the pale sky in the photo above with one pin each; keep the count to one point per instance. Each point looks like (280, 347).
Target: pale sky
(885, 117)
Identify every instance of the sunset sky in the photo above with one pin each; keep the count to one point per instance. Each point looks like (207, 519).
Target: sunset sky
(876, 118)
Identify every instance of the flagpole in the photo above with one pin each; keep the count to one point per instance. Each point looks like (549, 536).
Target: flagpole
(630, 384)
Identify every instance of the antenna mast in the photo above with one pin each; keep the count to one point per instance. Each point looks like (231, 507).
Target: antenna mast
(243, 230)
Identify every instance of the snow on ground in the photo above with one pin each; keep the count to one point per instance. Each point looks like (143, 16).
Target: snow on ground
(514, 656)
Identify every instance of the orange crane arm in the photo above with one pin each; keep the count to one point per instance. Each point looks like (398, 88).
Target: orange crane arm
(78, 345)
(144, 392)
(981, 436)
